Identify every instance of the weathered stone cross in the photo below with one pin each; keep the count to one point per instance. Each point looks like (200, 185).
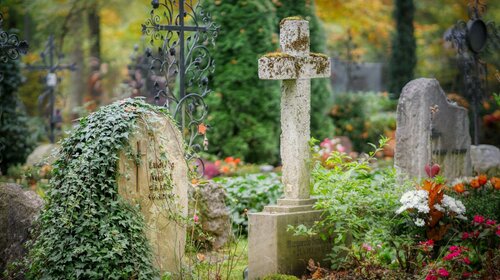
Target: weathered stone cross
(296, 66)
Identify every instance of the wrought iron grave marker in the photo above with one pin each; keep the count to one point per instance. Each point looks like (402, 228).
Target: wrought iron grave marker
(470, 39)
(184, 30)
(51, 63)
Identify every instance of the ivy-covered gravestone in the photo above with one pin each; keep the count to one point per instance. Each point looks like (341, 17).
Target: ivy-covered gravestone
(157, 181)
(116, 200)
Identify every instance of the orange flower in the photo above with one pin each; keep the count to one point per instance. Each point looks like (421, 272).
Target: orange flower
(482, 179)
(229, 159)
(475, 184)
(237, 160)
(225, 169)
(202, 129)
(495, 181)
(459, 188)
(217, 163)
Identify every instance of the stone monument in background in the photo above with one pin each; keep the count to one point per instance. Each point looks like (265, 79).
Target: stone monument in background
(271, 249)
(422, 137)
(157, 181)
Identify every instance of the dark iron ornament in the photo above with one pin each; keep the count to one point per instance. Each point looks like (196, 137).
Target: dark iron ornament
(51, 64)
(470, 39)
(183, 60)
(10, 46)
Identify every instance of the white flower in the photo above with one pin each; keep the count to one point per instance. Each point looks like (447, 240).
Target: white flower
(453, 205)
(419, 222)
(414, 200)
(439, 207)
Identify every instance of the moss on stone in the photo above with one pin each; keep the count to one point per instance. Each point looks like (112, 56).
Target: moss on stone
(277, 54)
(318, 55)
(290, 18)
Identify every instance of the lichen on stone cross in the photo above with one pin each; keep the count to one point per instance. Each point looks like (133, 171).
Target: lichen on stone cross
(295, 66)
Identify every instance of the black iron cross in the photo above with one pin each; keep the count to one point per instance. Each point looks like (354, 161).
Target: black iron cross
(192, 63)
(470, 39)
(49, 64)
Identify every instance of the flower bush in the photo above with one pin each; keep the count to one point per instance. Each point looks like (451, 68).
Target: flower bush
(480, 195)
(249, 193)
(428, 206)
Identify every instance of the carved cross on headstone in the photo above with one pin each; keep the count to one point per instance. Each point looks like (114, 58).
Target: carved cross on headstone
(295, 66)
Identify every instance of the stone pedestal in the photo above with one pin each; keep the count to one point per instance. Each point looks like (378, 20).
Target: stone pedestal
(271, 249)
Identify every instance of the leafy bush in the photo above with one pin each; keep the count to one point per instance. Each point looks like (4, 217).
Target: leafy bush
(250, 193)
(358, 204)
(363, 117)
(16, 142)
(86, 230)
(244, 110)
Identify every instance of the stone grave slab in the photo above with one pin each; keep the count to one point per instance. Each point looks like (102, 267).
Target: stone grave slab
(158, 183)
(443, 139)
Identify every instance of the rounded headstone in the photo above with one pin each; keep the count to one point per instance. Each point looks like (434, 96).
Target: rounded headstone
(158, 183)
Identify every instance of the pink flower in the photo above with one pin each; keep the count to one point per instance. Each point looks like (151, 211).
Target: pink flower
(454, 248)
(196, 218)
(340, 148)
(367, 247)
(466, 274)
(431, 276)
(478, 219)
(451, 256)
(498, 232)
(466, 260)
(443, 272)
(490, 222)
(465, 235)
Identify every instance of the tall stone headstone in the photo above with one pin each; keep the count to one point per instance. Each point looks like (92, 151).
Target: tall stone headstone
(422, 137)
(271, 248)
(156, 179)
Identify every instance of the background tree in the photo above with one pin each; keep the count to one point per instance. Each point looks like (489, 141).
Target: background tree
(15, 139)
(244, 110)
(403, 55)
(321, 92)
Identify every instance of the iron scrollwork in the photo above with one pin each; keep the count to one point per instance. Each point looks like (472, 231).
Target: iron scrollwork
(11, 47)
(471, 39)
(185, 31)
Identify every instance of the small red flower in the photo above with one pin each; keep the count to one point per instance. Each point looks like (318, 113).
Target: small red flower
(454, 248)
(465, 235)
(490, 222)
(443, 272)
(478, 219)
(451, 256)
(466, 260)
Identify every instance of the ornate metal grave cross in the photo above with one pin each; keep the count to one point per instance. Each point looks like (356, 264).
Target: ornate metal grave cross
(49, 57)
(10, 46)
(470, 39)
(295, 66)
(184, 55)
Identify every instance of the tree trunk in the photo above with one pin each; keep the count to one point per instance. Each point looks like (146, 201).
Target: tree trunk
(78, 85)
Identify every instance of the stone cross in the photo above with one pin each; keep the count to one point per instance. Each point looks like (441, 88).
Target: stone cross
(295, 66)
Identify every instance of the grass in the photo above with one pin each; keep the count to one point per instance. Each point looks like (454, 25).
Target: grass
(227, 263)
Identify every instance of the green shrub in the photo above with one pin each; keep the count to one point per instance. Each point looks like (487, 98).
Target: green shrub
(363, 117)
(244, 110)
(86, 230)
(250, 193)
(358, 205)
(16, 141)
